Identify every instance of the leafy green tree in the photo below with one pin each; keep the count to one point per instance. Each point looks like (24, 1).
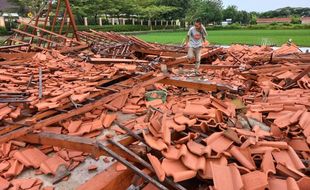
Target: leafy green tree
(231, 12)
(209, 11)
(30, 6)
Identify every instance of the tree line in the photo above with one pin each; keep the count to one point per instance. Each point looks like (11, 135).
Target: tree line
(209, 11)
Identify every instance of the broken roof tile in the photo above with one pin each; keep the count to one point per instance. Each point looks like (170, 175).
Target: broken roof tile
(31, 157)
(226, 177)
(218, 142)
(157, 144)
(108, 120)
(255, 180)
(243, 156)
(51, 165)
(288, 184)
(157, 167)
(177, 170)
(267, 164)
(288, 158)
(4, 184)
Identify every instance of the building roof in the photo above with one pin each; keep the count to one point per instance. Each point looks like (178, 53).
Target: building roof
(271, 20)
(5, 5)
(305, 19)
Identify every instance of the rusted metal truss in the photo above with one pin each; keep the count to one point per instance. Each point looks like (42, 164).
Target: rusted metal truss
(52, 28)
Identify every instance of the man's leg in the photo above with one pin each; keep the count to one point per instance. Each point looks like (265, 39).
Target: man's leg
(198, 58)
(190, 54)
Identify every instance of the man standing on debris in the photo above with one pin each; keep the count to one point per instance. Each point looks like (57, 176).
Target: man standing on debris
(195, 40)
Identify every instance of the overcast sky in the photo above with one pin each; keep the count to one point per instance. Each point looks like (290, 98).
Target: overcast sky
(266, 5)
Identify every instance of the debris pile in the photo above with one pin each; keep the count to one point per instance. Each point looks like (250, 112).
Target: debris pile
(241, 123)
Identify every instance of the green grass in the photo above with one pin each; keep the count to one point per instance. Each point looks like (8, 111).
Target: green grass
(227, 37)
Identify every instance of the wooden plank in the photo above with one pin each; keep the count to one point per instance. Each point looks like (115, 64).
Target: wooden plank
(190, 84)
(109, 179)
(34, 36)
(111, 60)
(76, 143)
(13, 46)
(210, 67)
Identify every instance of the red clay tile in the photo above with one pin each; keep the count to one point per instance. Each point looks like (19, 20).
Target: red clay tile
(74, 126)
(25, 183)
(197, 149)
(78, 98)
(108, 120)
(173, 153)
(177, 170)
(5, 148)
(289, 171)
(304, 183)
(218, 142)
(188, 137)
(4, 184)
(51, 165)
(16, 113)
(299, 145)
(173, 125)
(243, 156)
(193, 161)
(4, 112)
(4, 165)
(182, 120)
(195, 109)
(226, 177)
(120, 167)
(275, 144)
(288, 158)
(31, 157)
(289, 184)
(48, 188)
(304, 122)
(154, 103)
(92, 167)
(119, 102)
(207, 172)
(267, 164)
(15, 169)
(157, 144)
(255, 181)
(166, 130)
(157, 167)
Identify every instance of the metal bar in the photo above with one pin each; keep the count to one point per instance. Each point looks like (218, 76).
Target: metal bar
(29, 82)
(131, 133)
(131, 166)
(40, 83)
(144, 163)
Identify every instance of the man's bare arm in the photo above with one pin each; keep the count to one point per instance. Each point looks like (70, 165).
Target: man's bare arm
(186, 40)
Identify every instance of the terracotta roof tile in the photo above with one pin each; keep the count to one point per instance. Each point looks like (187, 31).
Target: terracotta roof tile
(255, 180)
(177, 170)
(289, 184)
(15, 169)
(31, 157)
(218, 142)
(304, 183)
(226, 177)
(4, 184)
(157, 167)
(51, 165)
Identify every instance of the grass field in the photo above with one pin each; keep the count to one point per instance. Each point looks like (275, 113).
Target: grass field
(227, 37)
